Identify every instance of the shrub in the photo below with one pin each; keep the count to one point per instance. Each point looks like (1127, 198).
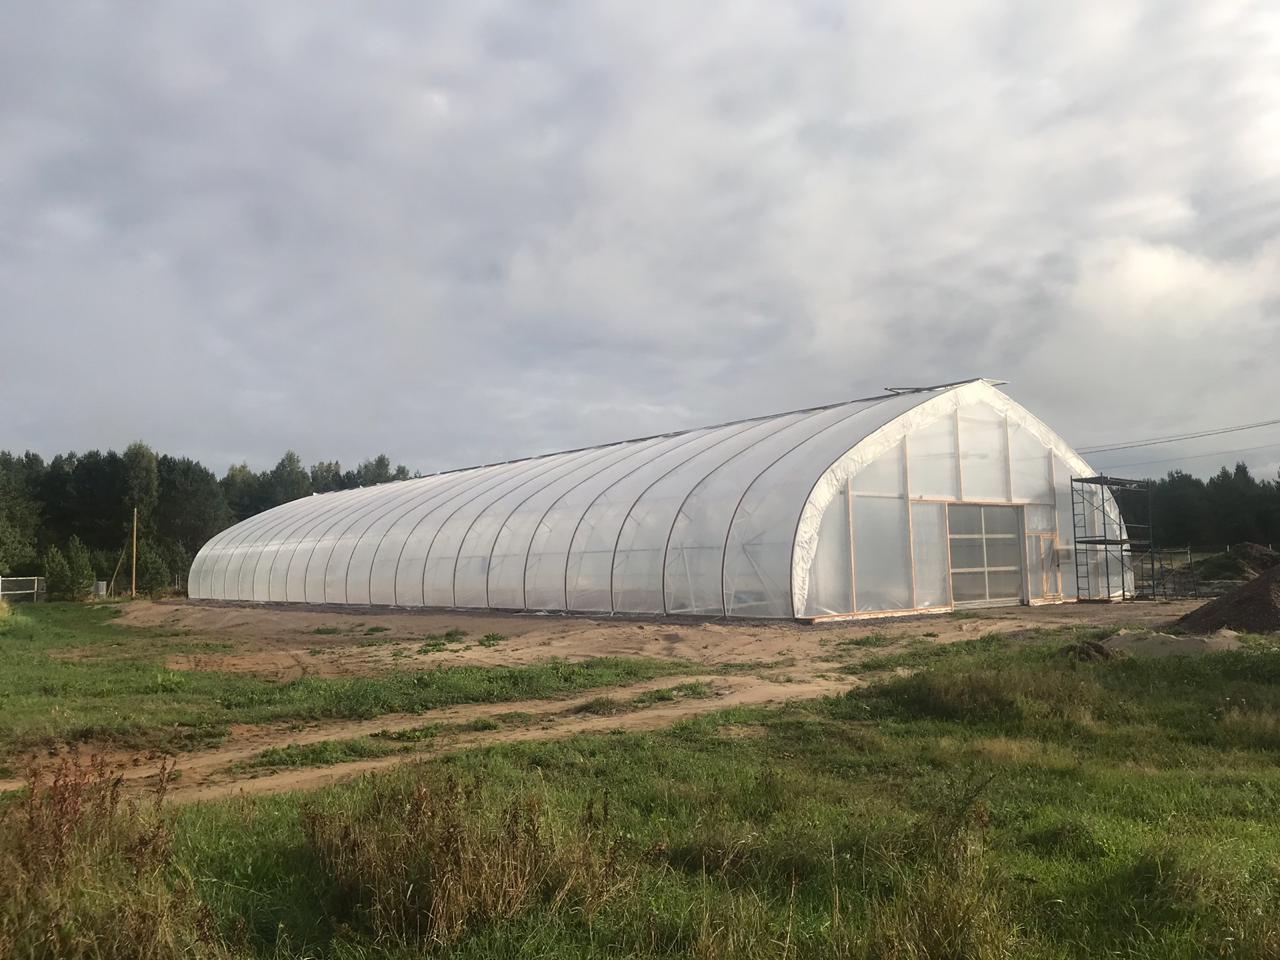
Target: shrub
(1010, 696)
(435, 865)
(946, 904)
(153, 571)
(85, 873)
(57, 576)
(80, 570)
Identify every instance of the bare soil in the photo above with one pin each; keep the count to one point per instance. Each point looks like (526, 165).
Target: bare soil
(1254, 607)
(774, 662)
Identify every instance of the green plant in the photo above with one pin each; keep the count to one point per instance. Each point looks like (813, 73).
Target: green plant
(440, 863)
(79, 570)
(602, 706)
(87, 873)
(153, 571)
(58, 584)
(320, 754)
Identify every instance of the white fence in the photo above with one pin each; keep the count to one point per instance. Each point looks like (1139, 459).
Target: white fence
(22, 587)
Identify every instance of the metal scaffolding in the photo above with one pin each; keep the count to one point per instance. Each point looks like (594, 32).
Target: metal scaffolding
(1114, 552)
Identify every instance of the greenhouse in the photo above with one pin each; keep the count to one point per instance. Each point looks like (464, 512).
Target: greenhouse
(922, 499)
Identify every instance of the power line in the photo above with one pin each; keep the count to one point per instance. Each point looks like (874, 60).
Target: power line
(1129, 445)
(1194, 456)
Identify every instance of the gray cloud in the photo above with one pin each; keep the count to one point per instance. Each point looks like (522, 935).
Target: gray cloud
(465, 231)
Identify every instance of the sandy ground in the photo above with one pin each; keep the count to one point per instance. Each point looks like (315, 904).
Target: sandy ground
(776, 661)
(282, 642)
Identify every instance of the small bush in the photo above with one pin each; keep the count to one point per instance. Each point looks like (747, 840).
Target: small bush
(153, 571)
(1068, 838)
(1011, 696)
(871, 640)
(947, 903)
(85, 873)
(79, 569)
(433, 866)
(427, 731)
(1251, 729)
(491, 639)
(692, 690)
(601, 706)
(57, 576)
(321, 754)
(479, 725)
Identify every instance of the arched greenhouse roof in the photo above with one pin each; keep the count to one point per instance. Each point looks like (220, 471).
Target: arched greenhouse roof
(712, 521)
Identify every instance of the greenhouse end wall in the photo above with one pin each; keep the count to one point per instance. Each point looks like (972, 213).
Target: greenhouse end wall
(963, 501)
(849, 509)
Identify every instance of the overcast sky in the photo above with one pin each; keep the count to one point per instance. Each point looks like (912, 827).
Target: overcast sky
(459, 232)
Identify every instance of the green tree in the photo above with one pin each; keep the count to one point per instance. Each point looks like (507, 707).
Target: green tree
(326, 476)
(191, 507)
(141, 477)
(288, 480)
(245, 491)
(57, 576)
(377, 470)
(20, 514)
(153, 571)
(80, 575)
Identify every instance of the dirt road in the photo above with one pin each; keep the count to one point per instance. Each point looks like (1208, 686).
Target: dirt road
(773, 663)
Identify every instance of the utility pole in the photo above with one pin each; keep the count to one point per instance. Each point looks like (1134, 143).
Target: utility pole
(133, 586)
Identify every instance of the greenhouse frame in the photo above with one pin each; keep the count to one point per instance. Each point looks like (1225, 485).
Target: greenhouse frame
(917, 500)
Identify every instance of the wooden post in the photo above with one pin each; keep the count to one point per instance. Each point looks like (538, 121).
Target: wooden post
(133, 586)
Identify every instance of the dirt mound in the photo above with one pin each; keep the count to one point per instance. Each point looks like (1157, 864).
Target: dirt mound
(1253, 607)
(1151, 643)
(1244, 561)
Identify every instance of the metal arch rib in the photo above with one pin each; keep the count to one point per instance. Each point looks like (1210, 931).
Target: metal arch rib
(438, 492)
(409, 502)
(291, 531)
(354, 505)
(362, 512)
(249, 527)
(572, 462)
(642, 446)
(524, 581)
(293, 524)
(613, 562)
(275, 530)
(724, 553)
(497, 475)
(676, 518)
(301, 534)
(568, 551)
(546, 464)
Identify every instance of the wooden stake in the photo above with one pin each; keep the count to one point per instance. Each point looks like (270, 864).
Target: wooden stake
(111, 587)
(133, 586)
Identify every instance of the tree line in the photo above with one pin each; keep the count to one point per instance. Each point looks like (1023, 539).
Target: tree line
(70, 518)
(1232, 506)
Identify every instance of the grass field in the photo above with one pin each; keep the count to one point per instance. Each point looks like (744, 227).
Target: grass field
(990, 798)
(67, 674)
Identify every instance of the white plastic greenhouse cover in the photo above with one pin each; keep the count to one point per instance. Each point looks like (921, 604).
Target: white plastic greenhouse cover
(834, 509)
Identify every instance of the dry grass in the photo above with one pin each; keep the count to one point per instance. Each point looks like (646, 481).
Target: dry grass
(433, 866)
(947, 903)
(87, 873)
